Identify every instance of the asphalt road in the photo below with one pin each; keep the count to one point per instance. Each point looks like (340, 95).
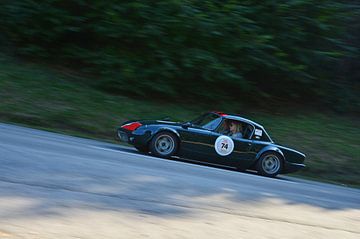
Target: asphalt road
(56, 186)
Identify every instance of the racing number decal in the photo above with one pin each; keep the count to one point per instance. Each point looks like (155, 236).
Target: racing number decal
(224, 145)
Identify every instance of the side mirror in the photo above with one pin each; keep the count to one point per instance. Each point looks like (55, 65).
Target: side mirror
(186, 125)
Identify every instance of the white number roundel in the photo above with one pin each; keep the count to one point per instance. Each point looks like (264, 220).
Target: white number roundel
(224, 145)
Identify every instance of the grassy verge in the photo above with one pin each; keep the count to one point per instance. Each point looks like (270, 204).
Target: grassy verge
(59, 100)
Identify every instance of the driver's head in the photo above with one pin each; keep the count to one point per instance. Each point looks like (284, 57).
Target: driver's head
(234, 126)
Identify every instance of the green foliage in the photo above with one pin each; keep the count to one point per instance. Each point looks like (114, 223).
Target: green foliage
(261, 50)
(61, 101)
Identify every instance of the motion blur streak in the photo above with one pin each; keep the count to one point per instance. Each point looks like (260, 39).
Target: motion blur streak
(55, 186)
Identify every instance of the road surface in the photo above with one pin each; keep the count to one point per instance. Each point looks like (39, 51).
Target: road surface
(57, 186)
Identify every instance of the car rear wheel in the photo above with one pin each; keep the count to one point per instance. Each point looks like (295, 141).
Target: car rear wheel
(270, 164)
(164, 144)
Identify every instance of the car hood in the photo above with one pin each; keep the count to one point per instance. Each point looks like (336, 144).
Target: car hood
(153, 122)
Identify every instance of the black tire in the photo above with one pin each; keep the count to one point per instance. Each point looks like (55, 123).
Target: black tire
(142, 149)
(270, 164)
(164, 144)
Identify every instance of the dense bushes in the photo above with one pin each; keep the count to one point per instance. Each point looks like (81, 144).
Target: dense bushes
(262, 50)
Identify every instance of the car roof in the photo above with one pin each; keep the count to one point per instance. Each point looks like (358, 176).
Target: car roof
(238, 117)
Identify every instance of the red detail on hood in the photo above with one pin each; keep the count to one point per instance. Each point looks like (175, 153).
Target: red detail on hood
(131, 126)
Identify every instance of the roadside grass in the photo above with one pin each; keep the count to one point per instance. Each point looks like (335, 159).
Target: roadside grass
(330, 142)
(62, 101)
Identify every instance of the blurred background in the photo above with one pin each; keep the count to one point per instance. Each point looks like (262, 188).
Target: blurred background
(82, 67)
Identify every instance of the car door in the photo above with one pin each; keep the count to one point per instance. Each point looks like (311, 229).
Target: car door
(197, 142)
(241, 155)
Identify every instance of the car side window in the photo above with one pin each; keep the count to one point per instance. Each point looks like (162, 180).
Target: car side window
(248, 129)
(234, 129)
(223, 128)
(261, 135)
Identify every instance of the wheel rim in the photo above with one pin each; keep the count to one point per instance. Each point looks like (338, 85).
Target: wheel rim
(164, 144)
(271, 164)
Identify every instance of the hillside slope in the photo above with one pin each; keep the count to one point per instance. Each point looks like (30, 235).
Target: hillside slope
(41, 96)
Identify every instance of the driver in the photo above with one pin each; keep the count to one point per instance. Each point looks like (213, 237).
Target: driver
(235, 129)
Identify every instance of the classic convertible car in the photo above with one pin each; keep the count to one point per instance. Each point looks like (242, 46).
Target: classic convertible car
(214, 138)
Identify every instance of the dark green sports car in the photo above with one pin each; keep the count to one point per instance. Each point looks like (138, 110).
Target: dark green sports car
(214, 138)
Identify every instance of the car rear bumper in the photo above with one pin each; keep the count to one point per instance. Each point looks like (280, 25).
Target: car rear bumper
(135, 138)
(124, 136)
(292, 167)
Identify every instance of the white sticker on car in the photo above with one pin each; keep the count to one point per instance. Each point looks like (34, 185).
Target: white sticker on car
(224, 145)
(258, 132)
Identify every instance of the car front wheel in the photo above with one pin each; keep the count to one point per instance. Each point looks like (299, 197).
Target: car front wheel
(270, 164)
(164, 144)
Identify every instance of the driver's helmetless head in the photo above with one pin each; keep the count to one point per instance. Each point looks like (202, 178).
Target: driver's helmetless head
(234, 126)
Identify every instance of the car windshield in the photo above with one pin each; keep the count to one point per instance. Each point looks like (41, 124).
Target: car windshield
(208, 121)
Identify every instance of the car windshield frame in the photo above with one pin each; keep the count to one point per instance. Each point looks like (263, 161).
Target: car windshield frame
(217, 120)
